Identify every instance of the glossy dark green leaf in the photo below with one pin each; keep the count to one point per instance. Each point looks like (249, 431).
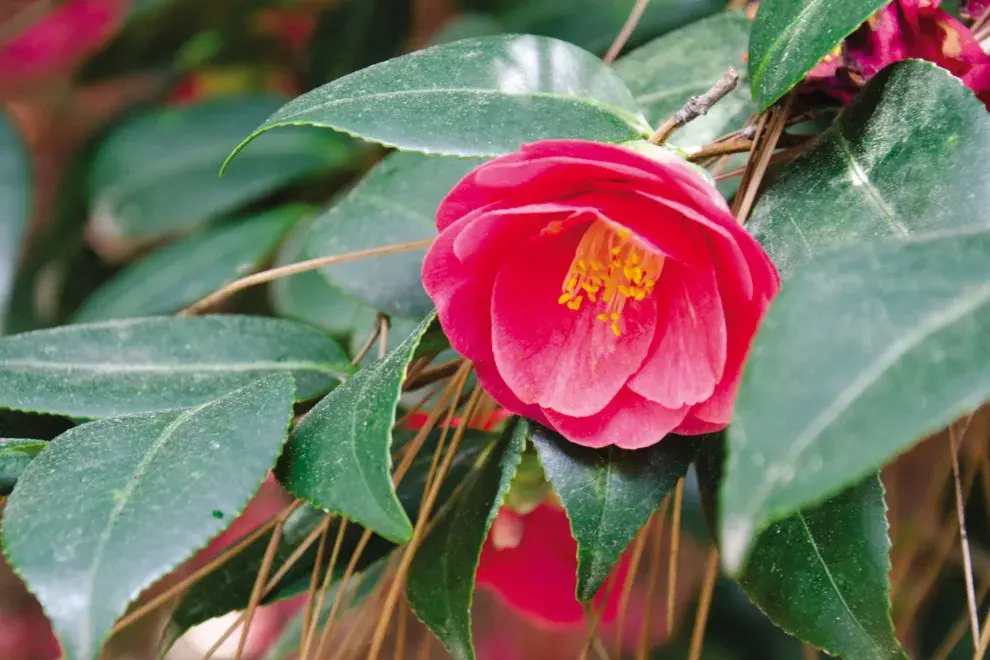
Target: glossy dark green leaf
(15, 455)
(791, 36)
(666, 72)
(397, 202)
(887, 342)
(137, 365)
(900, 159)
(173, 277)
(455, 99)
(823, 575)
(338, 457)
(157, 173)
(440, 585)
(15, 197)
(308, 297)
(594, 24)
(111, 506)
(609, 494)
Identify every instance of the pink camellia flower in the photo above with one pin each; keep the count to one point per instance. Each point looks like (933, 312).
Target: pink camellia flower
(607, 294)
(905, 29)
(61, 39)
(530, 561)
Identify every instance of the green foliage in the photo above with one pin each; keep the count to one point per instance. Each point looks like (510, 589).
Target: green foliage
(119, 367)
(451, 99)
(178, 275)
(791, 36)
(440, 586)
(144, 161)
(396, 202)
(93, 521)
(609, 494)
(338, 457)
(15, 455)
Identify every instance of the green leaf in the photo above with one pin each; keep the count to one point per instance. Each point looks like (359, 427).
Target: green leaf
(338, 457)
(111, 506)
(888, 344)
(594, 24)
(138, 365)
(15, 455)
(308, 297)
(440, 586)
(609, 494)
(178, 275)
(821, 574)
(790, 37)
(454, 99)
(15, 198)
(899, 159)
(157, 173)
(395, 203)
(665, 73)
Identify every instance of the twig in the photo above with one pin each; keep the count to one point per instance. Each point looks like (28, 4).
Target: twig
(637, 555)
(697, 106)
(774, 122)
(368, 344)
(974, 616)
(257, 591)
(675, 544)
(627, 29)
(301, 267)
(383, 327)
(653, 577)
(708, 587)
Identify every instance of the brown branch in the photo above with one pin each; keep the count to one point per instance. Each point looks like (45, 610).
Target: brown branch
(627, 29)
(300, 267)
(697, 106)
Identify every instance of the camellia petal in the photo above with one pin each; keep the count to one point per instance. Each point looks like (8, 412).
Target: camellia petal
(629, 421)
(551, 355)
(687, 358)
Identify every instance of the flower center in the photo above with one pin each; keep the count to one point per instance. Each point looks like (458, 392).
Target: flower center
(610, 269)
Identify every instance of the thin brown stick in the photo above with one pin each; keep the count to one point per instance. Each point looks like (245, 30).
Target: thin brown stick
(425, 641)
(959, 629)
(314, 585)
(627, 29)
(259, 586)
(204, 570)
(697, 106)
(764, 145)
(421, 522)
(383, 327)
(314, 622)
(594, 616)
(400, 633)
(974, 615)
(275, 579)
(642, 649)
(341, 589)
(704, 605)
(301, 267)
(367, 345)
(433, 374)
(637, 554)
(675, 543)
(809, 652)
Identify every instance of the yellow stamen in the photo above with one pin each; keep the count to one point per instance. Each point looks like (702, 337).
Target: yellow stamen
(611, 267)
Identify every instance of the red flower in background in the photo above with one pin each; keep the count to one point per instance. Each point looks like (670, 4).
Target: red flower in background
(606, 294)
(530, 561)
(61, 39)
(905, 29)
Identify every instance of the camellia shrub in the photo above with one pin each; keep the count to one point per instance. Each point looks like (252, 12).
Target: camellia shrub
(531, 330)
